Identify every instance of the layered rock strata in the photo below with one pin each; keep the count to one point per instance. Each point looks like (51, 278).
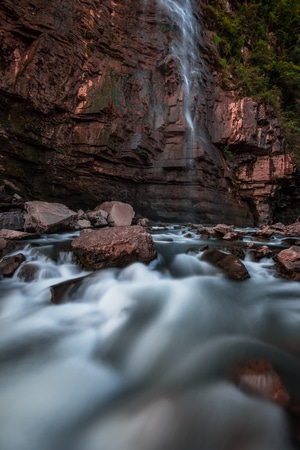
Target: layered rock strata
(91, 108)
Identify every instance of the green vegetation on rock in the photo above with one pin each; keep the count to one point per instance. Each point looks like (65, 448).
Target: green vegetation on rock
(258, 54)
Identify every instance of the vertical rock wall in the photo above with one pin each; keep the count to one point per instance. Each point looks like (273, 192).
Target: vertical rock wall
(91, 109)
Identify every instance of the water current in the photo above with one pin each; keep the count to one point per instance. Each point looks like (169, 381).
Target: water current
(138, 358)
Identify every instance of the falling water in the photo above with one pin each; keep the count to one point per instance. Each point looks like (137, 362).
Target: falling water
(182, 15)
(185, 51)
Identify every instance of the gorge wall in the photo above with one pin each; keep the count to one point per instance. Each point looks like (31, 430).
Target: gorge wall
(92, 109)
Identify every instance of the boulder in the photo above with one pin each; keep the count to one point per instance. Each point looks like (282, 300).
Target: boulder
(16, 235)
(13, 220)
(293, 229)
(28, 272)
(230, 265)
(83, 223)
(7, 246)
(288, 263)
(62, 292)
(43, 217)
(98, 217)
(222, 229)
(119, 214)
(114, 247)
(9, 265)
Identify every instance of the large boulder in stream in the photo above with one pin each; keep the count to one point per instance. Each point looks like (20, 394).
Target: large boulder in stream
(114, 247)
(44, 217)
(288, 263)
(230, 265)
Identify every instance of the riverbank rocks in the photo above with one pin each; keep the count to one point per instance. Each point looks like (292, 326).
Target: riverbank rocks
(114, 247)
(12, 220)
(288, 263)
(230, 265)
(119, 213)
(44, 217)
(9, 265)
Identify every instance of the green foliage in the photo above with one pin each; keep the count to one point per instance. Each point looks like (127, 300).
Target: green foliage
(259, 51)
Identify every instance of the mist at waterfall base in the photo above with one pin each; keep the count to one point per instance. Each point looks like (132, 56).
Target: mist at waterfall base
(141, 357)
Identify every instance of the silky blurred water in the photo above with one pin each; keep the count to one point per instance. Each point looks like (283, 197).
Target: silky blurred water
(138, 358)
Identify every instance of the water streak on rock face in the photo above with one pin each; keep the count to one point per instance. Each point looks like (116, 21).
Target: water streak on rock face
(182, 18)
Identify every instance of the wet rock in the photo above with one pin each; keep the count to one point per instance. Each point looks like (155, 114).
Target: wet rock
(231, 236)
(44, 217)
(9, 265)
(28, 272)
(231, 266)
(13, 220)
(288, 263)
(98, 217)
(16, 235)
(83, 223)
(293, 229)
(119, 213)
(62, 292)
(262, 251)
(222, 229)
(259, 377)
(7, 246)
(114, 247)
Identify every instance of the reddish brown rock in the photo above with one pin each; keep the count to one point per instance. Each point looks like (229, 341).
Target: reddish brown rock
(7, 246)
(222, 229)
(258, 151)
(114, 247)
(231, 265)
(9, 265)
(288, 263)
(259, 377)
(44, 217)
(93, 110)
(16, 235)
(28, 272)
(293, 229)
(119, 214)
(62, 292)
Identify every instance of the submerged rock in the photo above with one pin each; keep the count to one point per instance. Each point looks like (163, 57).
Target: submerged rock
(231, 265)
(44, 217)
(62, 292)
(259, 377)
(114, 247)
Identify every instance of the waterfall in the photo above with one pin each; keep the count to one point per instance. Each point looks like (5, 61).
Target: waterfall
(185, 50)
(188, 37)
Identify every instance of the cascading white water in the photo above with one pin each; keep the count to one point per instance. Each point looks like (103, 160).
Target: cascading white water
(140, 357)
(182, 16)
(185, 51)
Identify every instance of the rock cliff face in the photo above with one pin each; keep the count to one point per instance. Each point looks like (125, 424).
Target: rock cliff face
(91, 109)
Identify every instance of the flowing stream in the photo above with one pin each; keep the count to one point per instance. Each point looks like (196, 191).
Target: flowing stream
(139, 358)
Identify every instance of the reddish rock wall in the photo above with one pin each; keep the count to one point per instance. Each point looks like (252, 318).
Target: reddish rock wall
(91, 109)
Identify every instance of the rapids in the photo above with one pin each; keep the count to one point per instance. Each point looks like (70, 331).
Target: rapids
(139, 358)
